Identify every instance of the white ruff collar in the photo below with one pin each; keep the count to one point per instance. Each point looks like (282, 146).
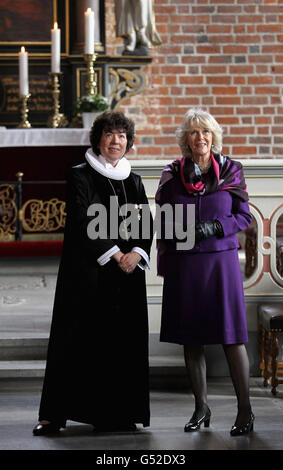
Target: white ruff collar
(119, 172)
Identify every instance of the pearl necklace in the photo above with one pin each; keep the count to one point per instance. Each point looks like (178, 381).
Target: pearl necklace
(125, 229)
(205, 167)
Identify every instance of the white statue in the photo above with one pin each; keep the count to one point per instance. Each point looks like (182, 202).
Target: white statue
(135, 24)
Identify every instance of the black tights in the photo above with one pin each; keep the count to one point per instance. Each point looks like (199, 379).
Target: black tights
(238, 363)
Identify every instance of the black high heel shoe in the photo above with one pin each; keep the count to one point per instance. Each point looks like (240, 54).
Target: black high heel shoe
(43, 429)
(195, 423)
(245, 428)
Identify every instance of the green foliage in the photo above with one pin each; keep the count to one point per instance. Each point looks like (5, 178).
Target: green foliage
(91, 103)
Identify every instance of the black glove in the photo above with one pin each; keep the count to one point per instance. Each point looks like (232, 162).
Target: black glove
(208, 229)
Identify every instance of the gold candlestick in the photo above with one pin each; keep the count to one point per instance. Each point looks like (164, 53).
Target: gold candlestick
(57, 119)
(24, 124)
(91, 83)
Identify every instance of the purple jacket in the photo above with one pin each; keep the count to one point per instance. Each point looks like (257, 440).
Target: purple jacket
(233, 214)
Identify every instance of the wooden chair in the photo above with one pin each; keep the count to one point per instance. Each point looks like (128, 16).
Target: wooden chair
(270, 318)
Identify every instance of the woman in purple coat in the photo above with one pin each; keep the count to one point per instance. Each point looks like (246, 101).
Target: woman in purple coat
(203, 298)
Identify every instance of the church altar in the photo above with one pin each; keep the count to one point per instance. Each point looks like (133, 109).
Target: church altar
(43, 137)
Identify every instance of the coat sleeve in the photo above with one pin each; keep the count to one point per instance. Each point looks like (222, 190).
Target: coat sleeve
(78, 220)
(239, 219)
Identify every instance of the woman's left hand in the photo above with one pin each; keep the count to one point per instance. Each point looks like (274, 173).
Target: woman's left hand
(129, 261)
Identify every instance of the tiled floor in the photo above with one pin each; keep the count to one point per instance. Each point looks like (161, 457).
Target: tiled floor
(19, 400)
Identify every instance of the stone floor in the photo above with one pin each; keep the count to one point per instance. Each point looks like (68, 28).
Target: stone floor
(26, 295)
(19, 401)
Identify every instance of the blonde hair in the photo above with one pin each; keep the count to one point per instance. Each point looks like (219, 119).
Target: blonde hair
(204, 120)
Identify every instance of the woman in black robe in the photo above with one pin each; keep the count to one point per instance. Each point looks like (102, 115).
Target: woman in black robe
(97, 362)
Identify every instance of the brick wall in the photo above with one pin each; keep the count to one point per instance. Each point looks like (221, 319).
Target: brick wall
(224, 56)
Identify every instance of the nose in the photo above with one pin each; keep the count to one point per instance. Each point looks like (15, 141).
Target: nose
(115, 138)
(200, 134)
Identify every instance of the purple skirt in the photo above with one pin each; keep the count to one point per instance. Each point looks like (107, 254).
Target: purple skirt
(203, 299)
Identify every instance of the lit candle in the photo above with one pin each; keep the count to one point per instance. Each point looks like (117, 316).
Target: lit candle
(23, 72)
(55, 49)
(89, 31)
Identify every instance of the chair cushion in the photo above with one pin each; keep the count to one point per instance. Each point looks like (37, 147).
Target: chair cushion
(271, 316)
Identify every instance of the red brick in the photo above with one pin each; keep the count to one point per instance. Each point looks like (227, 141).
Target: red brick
(248, 39)
(193, 59)
(271, 90)
(237, 69)
(277, 130)
(235, 49)
(206, 69)
(198, 90)
(229, 120)
(215, 28)
(262, 120)
(242, 130)
(225, 90)
(255, 100)
(250, 18)
(234, 140)
(165, 140)
(244, 150)
(221, 110)
(248, 110)
(221, 80)
(260, 58)
(239, 80)
(179, 110)
(263, 79)
(229, 19)
(277, 150)
(171, 150)
(223, 100)
(207, 49)
(172, 69)
(192, 80)
(149, 150)
(270, 28)
(176, 90)
(187, 100)
(171, 79)
(272, 49)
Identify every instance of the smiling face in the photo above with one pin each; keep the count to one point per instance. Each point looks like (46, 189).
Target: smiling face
(113, 145)
(200, 141)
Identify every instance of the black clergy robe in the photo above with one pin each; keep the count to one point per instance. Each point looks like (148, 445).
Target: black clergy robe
(97, 362)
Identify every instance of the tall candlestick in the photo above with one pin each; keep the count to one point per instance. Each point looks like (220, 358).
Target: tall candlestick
(55, 48)
(89, 31)
(23, 72)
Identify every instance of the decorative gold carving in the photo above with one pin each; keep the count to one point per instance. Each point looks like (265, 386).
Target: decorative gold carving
(124, 83)
(38, 216)
(8, 211)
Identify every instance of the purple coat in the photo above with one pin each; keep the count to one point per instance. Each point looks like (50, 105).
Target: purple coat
(233, 214)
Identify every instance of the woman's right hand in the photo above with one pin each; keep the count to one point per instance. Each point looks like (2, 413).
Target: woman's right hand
(117, 256)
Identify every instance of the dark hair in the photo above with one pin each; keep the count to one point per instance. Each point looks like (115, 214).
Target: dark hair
(108, 121)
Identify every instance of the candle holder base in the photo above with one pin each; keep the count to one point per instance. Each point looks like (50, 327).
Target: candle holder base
(24, 124)
(57, 119)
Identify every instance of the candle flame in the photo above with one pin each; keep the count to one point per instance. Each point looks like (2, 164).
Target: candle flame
(23, 49)
(89, 10)
(55, 25)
